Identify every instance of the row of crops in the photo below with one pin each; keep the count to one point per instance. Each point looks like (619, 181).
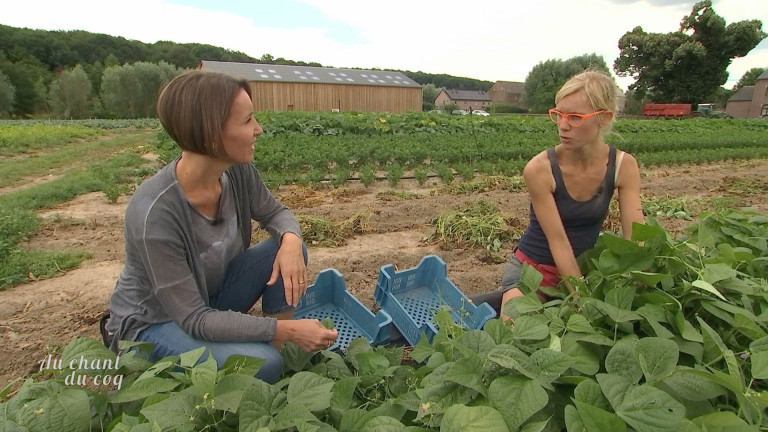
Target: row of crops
(665, 335)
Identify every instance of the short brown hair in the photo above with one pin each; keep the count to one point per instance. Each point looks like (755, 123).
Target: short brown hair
(194, 106)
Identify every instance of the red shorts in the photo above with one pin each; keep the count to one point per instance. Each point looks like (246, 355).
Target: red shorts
(550, 273)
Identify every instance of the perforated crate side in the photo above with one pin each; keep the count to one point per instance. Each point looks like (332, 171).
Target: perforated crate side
(430, 267)
(419, 291)
(328, 297)
(407, 325)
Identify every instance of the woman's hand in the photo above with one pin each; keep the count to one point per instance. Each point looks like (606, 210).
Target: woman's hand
(308, 334)
(289, 263)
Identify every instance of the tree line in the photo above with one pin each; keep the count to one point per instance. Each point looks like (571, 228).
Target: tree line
(63, 72)
(74, 74)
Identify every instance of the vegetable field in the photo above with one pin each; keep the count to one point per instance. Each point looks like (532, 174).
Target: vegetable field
(669, 332)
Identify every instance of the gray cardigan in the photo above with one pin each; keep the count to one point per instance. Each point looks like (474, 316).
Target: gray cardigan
(163, 279)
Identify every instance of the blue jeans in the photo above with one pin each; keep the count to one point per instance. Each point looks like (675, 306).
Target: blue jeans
(244, 283)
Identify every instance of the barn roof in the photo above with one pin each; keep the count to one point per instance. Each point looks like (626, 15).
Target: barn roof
(744, 94)
(307, 74)
(474, 95)
(511, 86)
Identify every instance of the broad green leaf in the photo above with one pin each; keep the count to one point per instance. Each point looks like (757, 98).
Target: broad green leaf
(713, 343)
(460, 418)
(445, 394)
(747, 326)
(512, 358)
(423, 349)
(190, 358)
(97, 359)
(242, 365)
(652, 279)
(57, 409)
(371, 363)
(204, 375)
(616, 314)
(144, 388)
(759, 362)
(310, 390)
(593, 338)
(525, 304)
(577, 323)
(260, 400)
(621, 360)
(497, 329)
(692, 386)
(344, 393)
(614, 388)
(551, 364)
(706, 286)
(530, 328)
(229, 391)
(478, 341)
(759, 345)
(713, 273)
(517, 398)
(621, 297)
(295, 358)
(177, 413)
(596, 419)
(657, 357)
(648, 409)
(688, 331)
(573, 419)
(292, 415)
(589, 391)
(469, 373)
(723, 421)
(530, 279)
(156, 369)
(584, 359)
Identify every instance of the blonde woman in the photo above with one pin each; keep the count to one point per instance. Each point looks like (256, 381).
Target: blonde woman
(571, 184)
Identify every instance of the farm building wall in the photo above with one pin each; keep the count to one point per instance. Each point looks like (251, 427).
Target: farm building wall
(738, 109)
(289, 96)
(759, 104)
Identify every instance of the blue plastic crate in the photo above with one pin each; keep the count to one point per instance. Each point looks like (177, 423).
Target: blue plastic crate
(328, 297)
(412, 297)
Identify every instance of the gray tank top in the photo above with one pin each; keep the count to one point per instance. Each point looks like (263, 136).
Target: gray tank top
(582, 220)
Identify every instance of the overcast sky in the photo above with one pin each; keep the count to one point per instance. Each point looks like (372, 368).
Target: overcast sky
(484, 39)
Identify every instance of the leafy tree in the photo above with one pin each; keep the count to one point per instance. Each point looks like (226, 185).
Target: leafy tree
(130, 91)
(28, 77)
(634, 103)
(7, 95)
(749, 78)
(688, 65)
(546, 78)
(70, 94)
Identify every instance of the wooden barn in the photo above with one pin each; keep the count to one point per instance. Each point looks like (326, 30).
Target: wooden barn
(303, 88)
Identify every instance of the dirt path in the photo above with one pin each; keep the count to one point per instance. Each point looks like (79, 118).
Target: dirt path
(42, 317)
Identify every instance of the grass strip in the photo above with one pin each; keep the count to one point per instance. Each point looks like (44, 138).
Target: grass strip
(15, 171)
(18, 220)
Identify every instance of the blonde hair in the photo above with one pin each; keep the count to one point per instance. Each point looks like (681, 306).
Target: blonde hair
(194, 106)
(602, 92)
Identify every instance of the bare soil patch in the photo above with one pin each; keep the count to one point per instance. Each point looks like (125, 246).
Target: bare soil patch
(41, 317)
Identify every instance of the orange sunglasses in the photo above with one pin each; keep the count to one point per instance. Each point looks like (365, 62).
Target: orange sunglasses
(573, 119)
